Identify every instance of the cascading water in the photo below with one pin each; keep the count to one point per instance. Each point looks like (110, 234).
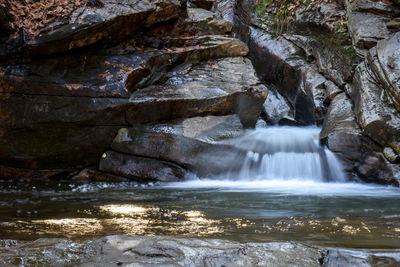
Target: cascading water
(286, 153)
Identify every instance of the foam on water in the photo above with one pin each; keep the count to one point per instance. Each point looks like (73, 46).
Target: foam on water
(292, 187)
(286, 153)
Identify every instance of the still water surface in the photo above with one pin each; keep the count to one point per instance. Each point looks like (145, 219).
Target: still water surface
(335, 214)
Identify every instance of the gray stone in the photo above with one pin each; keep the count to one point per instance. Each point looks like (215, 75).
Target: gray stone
(219, 87)
(391, 155)
(356, 258)
(367, 22)
(385, 63)
(199, 149)
(360, 156)
(110, 24)
(285, 69)
(375, 114)
(276, 108)
(172, 251)
(224, 10)
(331, 91)
(140, 169)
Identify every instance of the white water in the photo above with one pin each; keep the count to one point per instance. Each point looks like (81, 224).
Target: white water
(290, 187)
(286, 153)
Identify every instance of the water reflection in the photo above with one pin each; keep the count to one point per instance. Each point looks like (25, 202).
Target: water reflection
(351, 215)
(124, 209)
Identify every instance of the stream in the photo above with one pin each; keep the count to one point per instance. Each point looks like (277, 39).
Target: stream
(288, 201)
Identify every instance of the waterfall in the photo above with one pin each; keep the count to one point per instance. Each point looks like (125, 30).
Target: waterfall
(286, 153)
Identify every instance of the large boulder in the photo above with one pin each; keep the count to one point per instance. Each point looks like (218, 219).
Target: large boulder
(375, 113)
(139, 168)
(277, 110)
(360, 156)
(286, 69)
(218, 87)
(196, 144)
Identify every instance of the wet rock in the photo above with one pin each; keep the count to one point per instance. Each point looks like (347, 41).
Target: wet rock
(171, 251)
(394, 25)
(112, 72)
(55, 147)
(340, 131)
(375, 114)
(219, 87)
(376, 168)
(196, 148)
(313, 84)
(340, 117)
(276, 109)
(367, 22)
(346, 257)
(224, 10)
(140, 169)
(285, 69)
(359, 154)
(384, 61)
(109, 24)
(367, 29)
(383, 8)
(65, 103)
(391, 155)
(331, 92)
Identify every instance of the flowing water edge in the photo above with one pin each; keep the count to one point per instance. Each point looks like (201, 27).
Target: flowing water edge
(289, 189)
(335, 214)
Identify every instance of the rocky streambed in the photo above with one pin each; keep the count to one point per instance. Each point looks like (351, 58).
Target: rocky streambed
(170, 251)
(158, 91)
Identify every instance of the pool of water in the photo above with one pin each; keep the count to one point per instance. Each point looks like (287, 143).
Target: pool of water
(334, 214)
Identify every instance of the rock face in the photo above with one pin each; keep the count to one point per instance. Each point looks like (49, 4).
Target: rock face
(367, 22)
(172, 251)
(61, 111)
(136, 71)
(109, 24)
(352, 90)
(288, 69)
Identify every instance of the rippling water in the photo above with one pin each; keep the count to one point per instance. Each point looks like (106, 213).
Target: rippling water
(343, 214)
